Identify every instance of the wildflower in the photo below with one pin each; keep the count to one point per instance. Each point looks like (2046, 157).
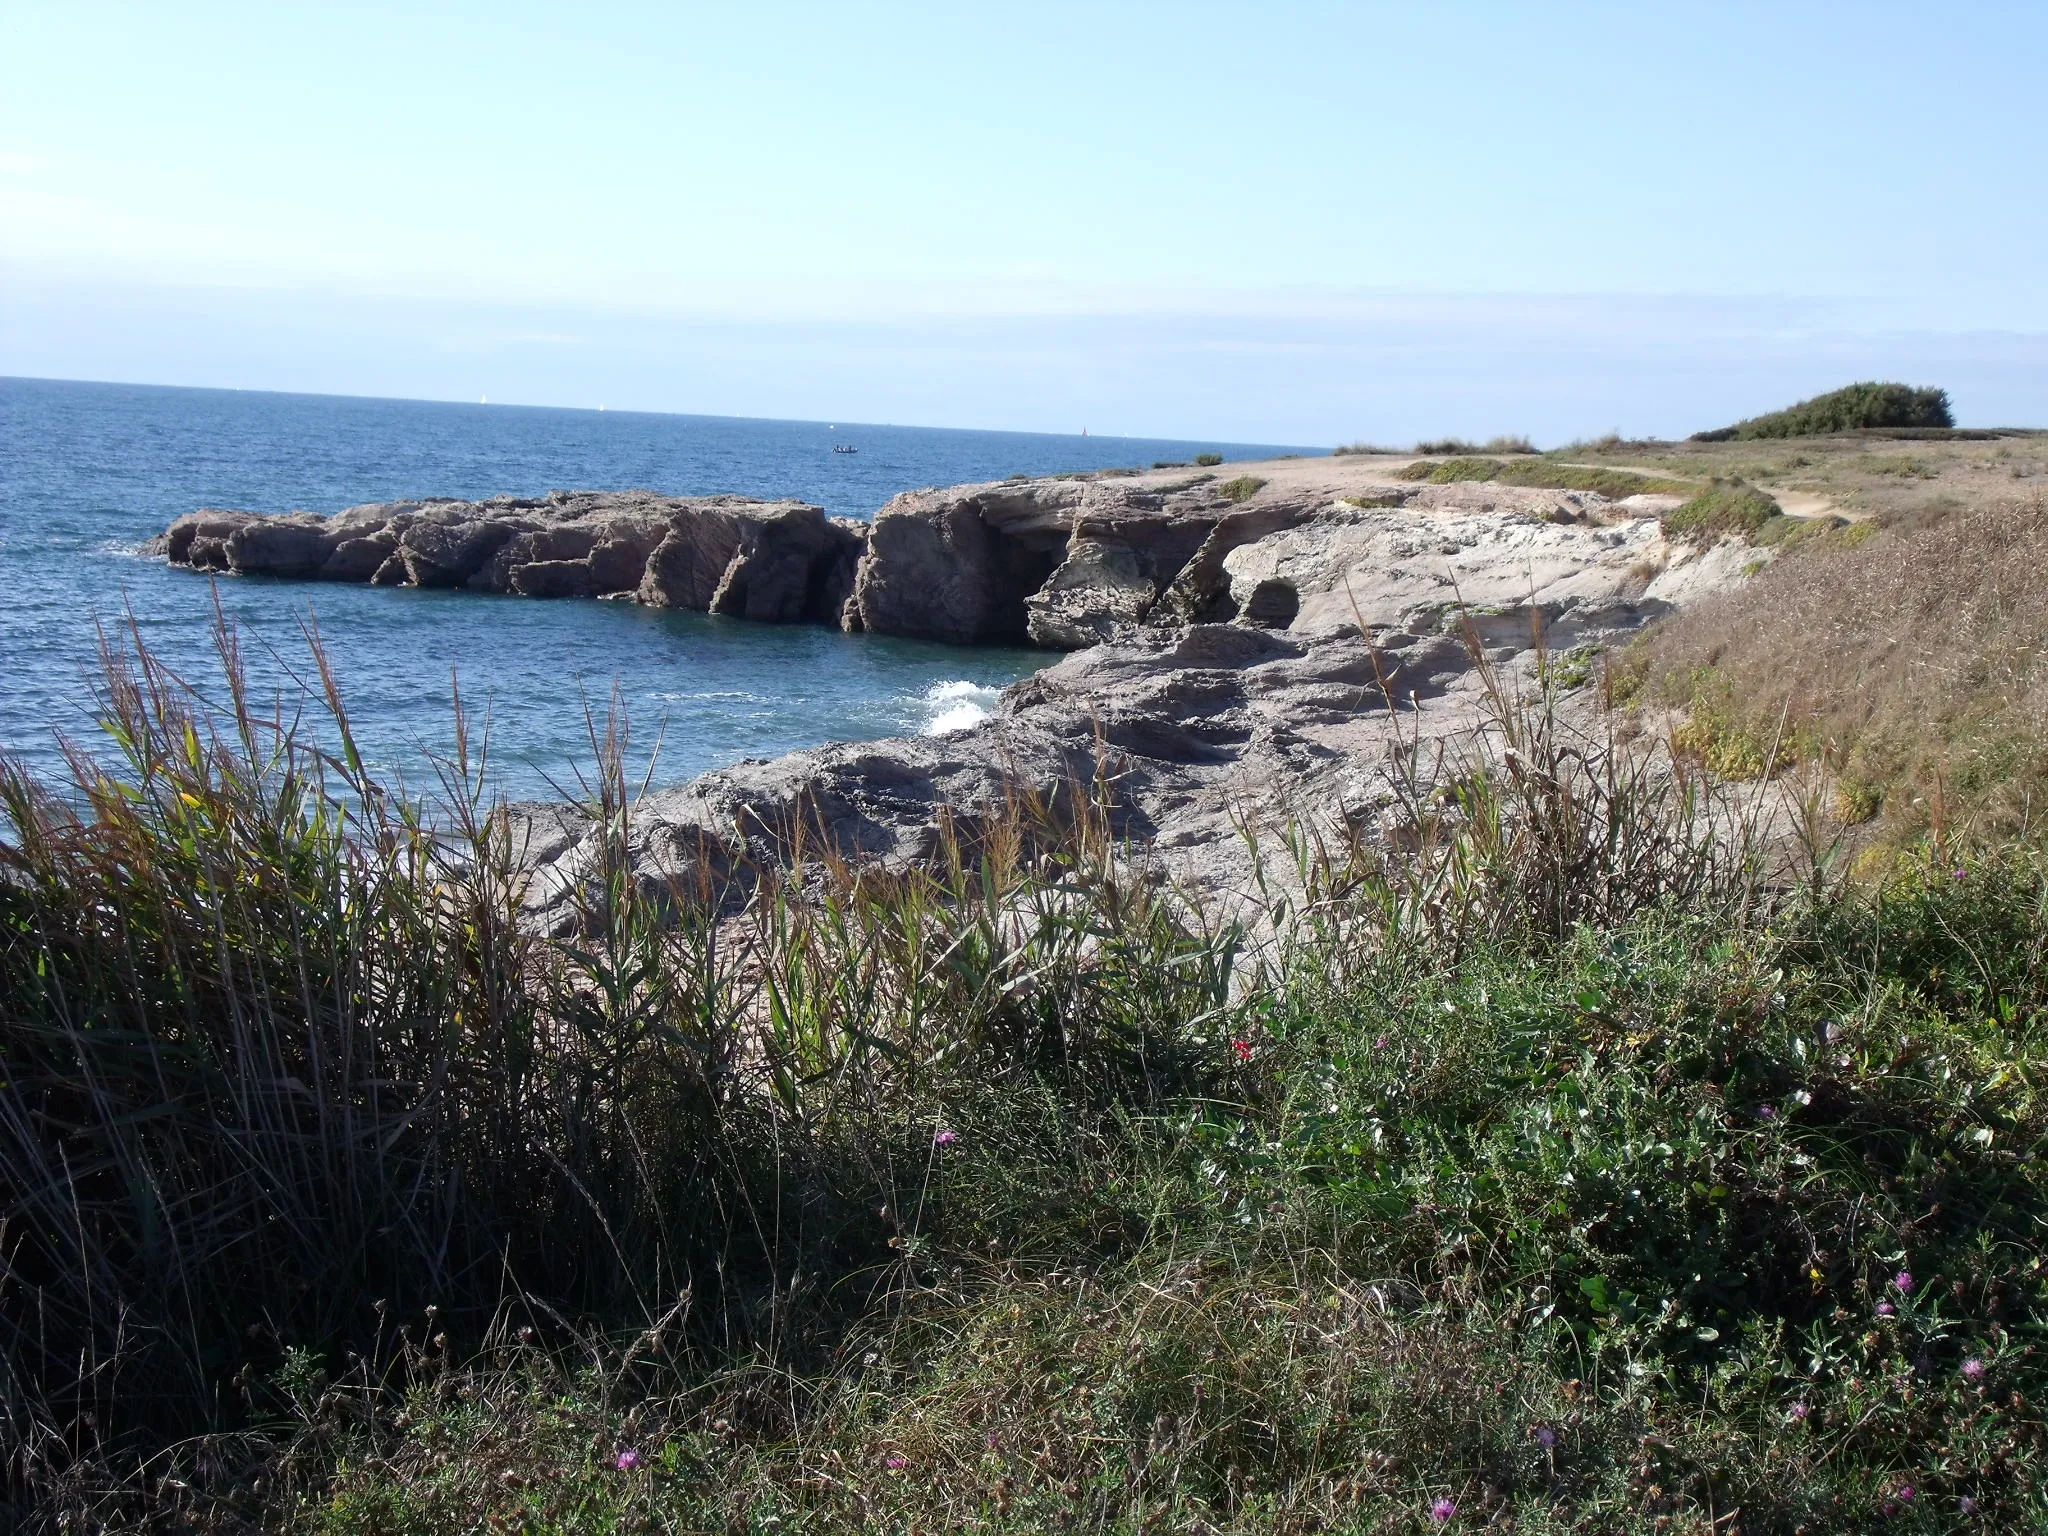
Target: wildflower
(1442, 1510)
(1799, 1411)
(1380, 1044)
(895, 1462)
(1243, 1049)
(1905, 1494)
(1766, 1112)
(1973, 1370)
(1885, 1309)
(628, 1459)
(1904, 1281)
(945, 1139)
(1961, 873)
(1546, 1437)
(1967, 1505)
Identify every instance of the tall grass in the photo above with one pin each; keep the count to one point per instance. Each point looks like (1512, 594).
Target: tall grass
(1539, 1154)
(282, 1062)
(1910, 661)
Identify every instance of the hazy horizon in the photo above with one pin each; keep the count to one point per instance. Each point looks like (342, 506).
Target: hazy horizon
(1305, 223)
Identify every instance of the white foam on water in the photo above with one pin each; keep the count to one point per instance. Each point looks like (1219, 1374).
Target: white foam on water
(957, 705)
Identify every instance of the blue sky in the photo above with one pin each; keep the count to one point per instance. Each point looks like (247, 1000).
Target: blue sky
(1273, 222)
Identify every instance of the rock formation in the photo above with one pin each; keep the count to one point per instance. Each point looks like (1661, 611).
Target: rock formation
(1063, 563)
(1392, 620)
(781, 561)
(1235, 657)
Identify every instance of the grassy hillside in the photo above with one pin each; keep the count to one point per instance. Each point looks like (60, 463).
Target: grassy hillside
(1916, 480)
(1909, 663)
(1569, 1173)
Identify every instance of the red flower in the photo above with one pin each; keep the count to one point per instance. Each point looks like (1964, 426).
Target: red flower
(1243, 1049)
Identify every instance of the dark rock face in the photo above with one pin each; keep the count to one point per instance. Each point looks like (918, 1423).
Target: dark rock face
(1057, 563)
(777, 561)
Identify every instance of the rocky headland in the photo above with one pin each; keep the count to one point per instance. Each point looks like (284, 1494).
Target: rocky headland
(1237, 640)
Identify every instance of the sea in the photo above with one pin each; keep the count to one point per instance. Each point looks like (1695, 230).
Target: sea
(89, 472)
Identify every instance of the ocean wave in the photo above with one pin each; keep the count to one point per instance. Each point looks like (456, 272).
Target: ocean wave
(957, 705)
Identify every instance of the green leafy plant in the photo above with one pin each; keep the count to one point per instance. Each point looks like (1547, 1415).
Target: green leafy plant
(1845, 410)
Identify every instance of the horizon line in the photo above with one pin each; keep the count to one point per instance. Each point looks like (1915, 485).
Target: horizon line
(628, 410)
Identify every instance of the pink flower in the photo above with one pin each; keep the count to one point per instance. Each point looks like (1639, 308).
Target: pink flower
(1973, 1370)
(895, 1462)
(944, 1139)
(1967, 1505)
(1443, 1510)
(1904, 1281)
(1380, 1044)
(1546, 1437)
(1885, 1309)
(1799, 1411)
(628, 1460)
(1905, 1493)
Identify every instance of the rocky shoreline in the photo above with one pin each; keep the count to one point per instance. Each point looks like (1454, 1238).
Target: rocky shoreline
(1236, 644)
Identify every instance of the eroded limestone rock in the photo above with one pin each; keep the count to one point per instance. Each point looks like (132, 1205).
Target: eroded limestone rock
(777, 561)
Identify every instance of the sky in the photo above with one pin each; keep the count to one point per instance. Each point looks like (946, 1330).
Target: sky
(1301, 223)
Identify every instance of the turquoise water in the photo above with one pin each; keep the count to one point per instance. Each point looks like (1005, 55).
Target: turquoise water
(89, 471)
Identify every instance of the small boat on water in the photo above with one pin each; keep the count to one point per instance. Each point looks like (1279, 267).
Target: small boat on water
(844, 448)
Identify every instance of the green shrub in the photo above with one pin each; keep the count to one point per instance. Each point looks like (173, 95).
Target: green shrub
(1845, 410)
(1724, 507)
(1458, 446)
(1243, 488)
(1540, 474)
(1612, 483)
(1208, 460)
(1452, 471)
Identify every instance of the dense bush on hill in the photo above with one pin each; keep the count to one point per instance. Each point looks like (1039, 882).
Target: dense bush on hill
(1844, 410)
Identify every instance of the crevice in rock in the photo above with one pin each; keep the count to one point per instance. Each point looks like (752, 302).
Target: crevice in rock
(1019, 565)
(1273, 604)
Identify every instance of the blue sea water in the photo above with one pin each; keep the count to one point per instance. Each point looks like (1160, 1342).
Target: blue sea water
(90, 471)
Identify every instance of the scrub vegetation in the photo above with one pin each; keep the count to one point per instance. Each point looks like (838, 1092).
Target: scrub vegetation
(1580, 1168)
(1906, 660)
(1543, 474)
(1725, 507)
